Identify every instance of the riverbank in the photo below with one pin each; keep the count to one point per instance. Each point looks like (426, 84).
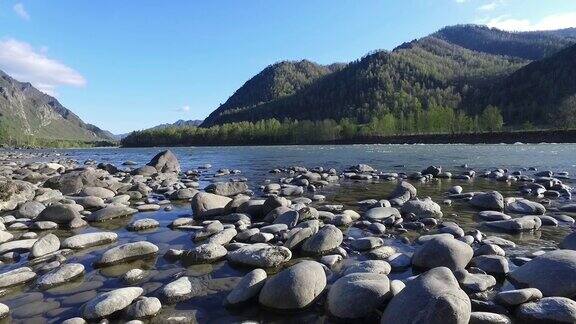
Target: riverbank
(507, 137)
(88, 236)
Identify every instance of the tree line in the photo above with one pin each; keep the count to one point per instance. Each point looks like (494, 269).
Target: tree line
(436, 120)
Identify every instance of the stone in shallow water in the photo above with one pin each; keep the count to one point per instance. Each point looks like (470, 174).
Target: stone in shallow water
(16, 277)
(260, 255)
(17, 246)
(46, 244)
(357, 295)
(110, 212)
(248, 287)
(143, 224)
(86, 240)
(62, 275)
(514, 225)
(525, 206)
(127, 252)
(295, 287)
(4, 310)
(433, 297)
(325, 240)
(488, 201)
(144, 307)
(110, 302)
(381, 213)
(182, 289)
(443, 252)
(205, 204)
(205, 253)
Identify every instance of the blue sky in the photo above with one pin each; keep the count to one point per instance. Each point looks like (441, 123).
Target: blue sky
(127, 65)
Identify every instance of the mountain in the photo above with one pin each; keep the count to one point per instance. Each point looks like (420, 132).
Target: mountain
(535, 92)
(445, 69)
(274, 82)
(527, 45)
(27, 112)
(179, 123)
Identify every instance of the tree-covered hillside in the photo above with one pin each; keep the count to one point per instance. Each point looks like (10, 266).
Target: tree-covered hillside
(275, 81)
(527, 45)
(444, 70)
(541, 92)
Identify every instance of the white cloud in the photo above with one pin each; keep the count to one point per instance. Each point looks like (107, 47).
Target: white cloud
(461, 1)
(183, 109)
(488, 7)
(21, 61)
(550, 22)
(21, 11)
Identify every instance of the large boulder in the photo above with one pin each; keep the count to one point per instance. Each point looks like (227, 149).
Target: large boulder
(227, 188)
(295, 287)
(14, 193)
(260, 255)
(492, 200)
(442, 251)
(553, 273)
(433, 297)
(325, 240)
(206, 204)
(358, 294)
(164, 162)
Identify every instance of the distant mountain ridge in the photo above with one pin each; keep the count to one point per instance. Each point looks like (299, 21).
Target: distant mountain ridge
(180, 123)
(448, 68)
(27, 112)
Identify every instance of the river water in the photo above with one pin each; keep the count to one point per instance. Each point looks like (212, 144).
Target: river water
(31, 305)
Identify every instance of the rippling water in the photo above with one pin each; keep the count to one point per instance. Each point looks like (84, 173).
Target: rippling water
(28, 304)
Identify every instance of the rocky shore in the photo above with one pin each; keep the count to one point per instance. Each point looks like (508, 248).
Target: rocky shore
(64, 258)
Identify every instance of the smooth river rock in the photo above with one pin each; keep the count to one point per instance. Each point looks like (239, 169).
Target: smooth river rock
(248, 287)
(61, 275)
(260, 255)
(553, 273)
(110, 302)
(357, 295)
(295, 287)
(127, 252)
(86, 240)
(442, 252)
(433, 297)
